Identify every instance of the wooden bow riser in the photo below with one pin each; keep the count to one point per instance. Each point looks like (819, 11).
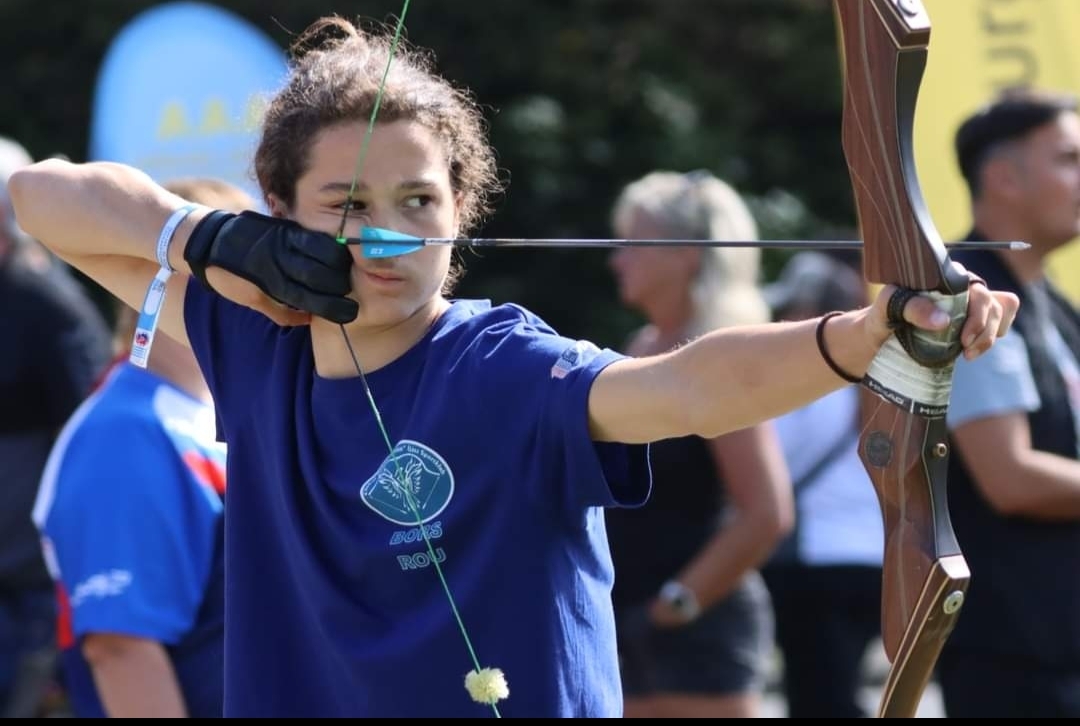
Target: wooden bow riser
(903, 441)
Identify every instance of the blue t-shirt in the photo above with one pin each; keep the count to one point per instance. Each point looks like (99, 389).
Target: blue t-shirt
(334, 604)
(129, 511)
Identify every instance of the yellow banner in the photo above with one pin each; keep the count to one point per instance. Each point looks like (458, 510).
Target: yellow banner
(978, 47)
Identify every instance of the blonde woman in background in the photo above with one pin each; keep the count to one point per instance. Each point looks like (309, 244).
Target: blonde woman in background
(695, 623)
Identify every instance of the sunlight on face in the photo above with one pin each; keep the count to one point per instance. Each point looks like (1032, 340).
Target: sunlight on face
(404, 185)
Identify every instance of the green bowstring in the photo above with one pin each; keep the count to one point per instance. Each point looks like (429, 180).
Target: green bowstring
(400, 480)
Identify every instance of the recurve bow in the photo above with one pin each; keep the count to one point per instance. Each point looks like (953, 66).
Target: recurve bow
(903, 442)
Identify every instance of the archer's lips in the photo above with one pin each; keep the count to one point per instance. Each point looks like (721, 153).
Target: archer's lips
(381, 279)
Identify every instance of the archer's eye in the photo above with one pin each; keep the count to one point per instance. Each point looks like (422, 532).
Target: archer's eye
(419, 200)
(354, 206)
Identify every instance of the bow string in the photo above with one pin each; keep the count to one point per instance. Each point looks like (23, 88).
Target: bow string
(485, 685)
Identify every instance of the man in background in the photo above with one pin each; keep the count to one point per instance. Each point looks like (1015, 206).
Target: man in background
(1014, 416)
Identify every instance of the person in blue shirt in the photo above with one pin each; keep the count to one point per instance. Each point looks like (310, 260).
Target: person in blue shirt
(130, 515)
(417, 483)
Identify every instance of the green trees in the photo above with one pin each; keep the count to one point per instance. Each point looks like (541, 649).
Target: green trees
(583, 95)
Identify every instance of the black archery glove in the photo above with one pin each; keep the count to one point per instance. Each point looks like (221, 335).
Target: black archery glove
(298, 267)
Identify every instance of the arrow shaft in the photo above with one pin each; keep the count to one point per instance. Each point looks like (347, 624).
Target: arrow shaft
(606, 243)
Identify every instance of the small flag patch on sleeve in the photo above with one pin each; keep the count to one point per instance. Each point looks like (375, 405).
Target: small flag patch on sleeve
(580, 352)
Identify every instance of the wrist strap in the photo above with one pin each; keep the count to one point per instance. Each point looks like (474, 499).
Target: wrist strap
(167, 232)
(201, 242)
(820, 336)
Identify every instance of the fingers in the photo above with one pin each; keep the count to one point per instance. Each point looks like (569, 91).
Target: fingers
(335, 308)
(1010, 304)
(990, 315)
(979, 333)
(922, 312)
(339, 310)
(320, 268)
(324, 272)
(322, 249)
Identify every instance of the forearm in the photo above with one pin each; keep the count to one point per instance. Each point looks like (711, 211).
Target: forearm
(1015, 478)
(1043, 486)
(727, 380)
(736, 549)
(135, 679)
(96, 210)
(739, 377)
(760, 510)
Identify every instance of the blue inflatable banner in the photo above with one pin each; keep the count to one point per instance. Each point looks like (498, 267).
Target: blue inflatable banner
(181, 92)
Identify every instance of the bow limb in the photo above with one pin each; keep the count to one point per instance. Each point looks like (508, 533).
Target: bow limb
(903, 442)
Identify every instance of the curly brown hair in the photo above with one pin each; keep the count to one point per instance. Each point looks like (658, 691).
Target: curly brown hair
(337, 70)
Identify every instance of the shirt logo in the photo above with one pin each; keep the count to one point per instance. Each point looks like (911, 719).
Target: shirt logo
(102, 585)
(580, 352)
(412, 486)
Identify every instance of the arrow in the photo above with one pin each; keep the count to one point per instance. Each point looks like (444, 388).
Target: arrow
(377, 242)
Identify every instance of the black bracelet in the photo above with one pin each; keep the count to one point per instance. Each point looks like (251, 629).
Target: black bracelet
(820, 335)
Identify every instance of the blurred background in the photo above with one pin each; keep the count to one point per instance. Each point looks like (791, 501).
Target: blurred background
(582, 96)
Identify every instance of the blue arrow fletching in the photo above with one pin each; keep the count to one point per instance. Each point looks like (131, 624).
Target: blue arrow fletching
(377, 242)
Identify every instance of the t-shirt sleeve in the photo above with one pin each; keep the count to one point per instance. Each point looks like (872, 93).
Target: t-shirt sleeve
(131, 537)
(234, 346)
(553, 375)
(996, 383)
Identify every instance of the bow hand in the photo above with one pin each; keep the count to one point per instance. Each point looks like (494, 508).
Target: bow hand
(934, 329)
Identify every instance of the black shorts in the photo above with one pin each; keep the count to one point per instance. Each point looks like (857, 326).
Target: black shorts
(726, 650)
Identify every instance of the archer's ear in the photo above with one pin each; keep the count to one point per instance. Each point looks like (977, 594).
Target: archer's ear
(277, 207)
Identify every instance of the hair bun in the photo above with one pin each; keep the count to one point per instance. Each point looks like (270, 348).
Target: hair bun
(324, 34)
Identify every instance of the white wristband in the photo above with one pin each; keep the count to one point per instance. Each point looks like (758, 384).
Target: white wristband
(167, 232)
(147, 322)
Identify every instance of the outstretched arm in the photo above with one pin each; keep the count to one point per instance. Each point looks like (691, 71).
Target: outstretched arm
(736, 377)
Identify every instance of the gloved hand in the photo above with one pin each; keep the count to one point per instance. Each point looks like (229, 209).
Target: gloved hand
(298, 267)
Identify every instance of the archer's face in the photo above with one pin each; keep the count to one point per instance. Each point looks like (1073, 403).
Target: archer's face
(404, 185)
